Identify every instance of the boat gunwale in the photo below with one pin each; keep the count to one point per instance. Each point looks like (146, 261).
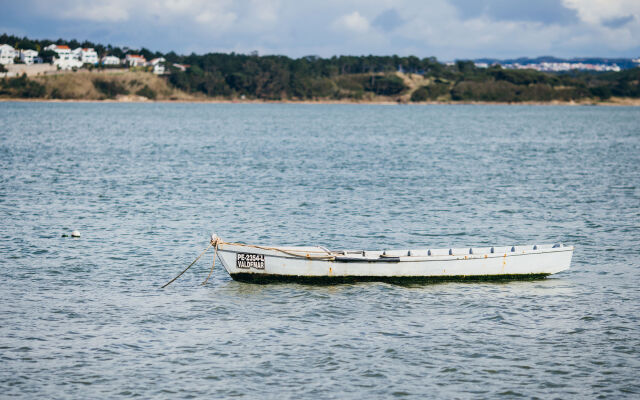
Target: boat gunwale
(347, 259)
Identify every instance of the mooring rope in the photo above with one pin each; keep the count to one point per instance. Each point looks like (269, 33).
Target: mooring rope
(215, 254)
(190, 265)
(216, 242)
(294, 253)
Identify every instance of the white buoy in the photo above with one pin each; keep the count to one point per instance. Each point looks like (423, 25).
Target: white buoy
(75, 234)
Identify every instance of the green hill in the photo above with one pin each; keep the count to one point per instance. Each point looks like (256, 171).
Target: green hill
(344, 78)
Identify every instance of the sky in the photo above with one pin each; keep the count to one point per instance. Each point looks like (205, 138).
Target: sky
(446, 29)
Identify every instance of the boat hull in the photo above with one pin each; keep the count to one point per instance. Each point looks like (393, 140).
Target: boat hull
(272, 265)
(331, 280)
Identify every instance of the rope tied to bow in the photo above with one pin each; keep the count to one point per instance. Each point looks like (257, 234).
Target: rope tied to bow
(215, 254)
(215, 242)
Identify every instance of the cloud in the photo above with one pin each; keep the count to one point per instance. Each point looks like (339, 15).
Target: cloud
(353, 22)
(221, 20)
(203, 11)
(447, 29)
(596, 11)
(617, 22)
(215, 16)
(543, 11)
(100, 10)
(388, 20)
(266, 12)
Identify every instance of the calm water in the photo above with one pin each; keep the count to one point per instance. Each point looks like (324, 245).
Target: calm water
(146, 184)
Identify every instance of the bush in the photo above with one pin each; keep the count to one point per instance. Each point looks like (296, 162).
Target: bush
(502, 91)
(33, 90)
(301, 88)
(420, 94)
(322, 88)
(570, 94)
(55, 94)
(602, 92)
(437, 89)
(147, 92)
(387, 85)
(22, 87)
(484, 91)
(47, 56)
(110, 89)
(350, 83)
(430, 92)
(626, 89)
(214, 84)
(180, 80)
(535, 92)
(523, 76)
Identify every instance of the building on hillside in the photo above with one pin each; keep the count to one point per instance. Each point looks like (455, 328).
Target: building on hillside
(158, 65)
(7, 54)
(64, 58)
(181, 67)
(85, 55)
(110, 60)
(63, 52)
(565, 66)
(135, 60)
(29, 56)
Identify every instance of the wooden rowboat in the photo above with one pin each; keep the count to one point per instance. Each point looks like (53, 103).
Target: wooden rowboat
(254, 263)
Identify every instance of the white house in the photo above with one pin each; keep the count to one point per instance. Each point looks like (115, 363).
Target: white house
(63, 52)
(7, 54)
(158, 65)
(181, 67)
(64, 58)
(28, 56)
(85, 55)
(110, 60)
(135, 60)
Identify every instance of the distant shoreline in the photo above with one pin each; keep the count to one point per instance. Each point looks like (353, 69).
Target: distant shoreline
(396, 88)
(616, 102)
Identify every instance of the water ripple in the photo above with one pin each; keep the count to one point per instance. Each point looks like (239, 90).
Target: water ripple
(146, 184)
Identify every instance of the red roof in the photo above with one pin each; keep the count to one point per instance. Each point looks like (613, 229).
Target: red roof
(135, 55)
(62, 47)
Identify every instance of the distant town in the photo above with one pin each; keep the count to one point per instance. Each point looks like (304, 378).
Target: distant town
(66, 58)
(556, 66)
(62, 58)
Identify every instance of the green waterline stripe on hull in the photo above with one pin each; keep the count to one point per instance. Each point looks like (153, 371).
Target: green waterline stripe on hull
(333, 280)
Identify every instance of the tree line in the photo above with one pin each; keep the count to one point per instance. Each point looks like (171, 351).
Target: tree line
(363, 77)
(274, 77)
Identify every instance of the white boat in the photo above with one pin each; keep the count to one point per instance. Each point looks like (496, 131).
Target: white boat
(255, 263)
